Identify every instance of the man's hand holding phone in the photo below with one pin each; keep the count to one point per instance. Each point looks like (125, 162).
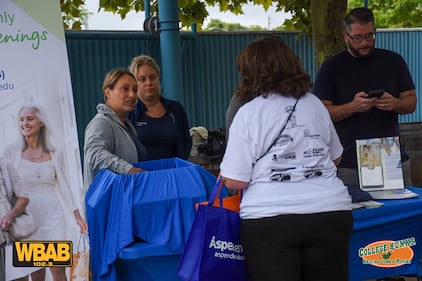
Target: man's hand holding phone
(387, 102)
(362, 103)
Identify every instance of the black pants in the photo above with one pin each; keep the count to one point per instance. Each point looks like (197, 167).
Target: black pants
(310, 247)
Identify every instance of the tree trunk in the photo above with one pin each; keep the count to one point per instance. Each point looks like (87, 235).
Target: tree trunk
(327, 28)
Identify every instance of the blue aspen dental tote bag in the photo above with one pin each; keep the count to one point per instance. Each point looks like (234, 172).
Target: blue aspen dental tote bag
(213, 251)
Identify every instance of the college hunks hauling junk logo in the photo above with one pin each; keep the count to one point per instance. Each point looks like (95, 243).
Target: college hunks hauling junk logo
(388, 253)
(226, 249)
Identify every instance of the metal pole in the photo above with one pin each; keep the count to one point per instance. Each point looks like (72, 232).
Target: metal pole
(171, 61)
(147, 9)
(365, 3)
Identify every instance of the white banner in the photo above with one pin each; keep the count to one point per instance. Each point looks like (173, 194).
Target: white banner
(36, 103)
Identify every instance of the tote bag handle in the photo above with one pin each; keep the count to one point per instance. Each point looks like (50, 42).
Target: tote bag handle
(229, 202)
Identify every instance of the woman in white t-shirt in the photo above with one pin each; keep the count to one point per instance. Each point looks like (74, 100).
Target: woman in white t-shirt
(282, 151)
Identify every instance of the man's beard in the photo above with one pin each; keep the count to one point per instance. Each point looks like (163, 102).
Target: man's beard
(355, 51)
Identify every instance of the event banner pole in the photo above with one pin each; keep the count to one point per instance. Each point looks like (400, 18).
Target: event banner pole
(38, 138)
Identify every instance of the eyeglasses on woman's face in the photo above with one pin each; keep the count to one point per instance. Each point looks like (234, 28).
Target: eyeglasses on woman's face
(359, 38)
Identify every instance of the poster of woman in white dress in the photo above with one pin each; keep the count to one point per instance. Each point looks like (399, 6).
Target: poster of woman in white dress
(38, 133)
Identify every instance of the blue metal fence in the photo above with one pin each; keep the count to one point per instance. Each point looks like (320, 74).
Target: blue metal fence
(208, 65)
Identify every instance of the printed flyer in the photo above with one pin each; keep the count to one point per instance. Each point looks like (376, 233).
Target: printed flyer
(379, 163)
(380, 169)
(38, 140)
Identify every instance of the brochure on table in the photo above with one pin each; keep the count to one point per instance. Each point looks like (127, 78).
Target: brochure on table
(380, 169)
(379, 163)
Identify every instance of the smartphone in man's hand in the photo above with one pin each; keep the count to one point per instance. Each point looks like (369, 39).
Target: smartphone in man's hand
(375, 93)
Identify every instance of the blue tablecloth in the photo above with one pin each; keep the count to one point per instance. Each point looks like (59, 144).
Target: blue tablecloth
(156, 206)
(387, 241)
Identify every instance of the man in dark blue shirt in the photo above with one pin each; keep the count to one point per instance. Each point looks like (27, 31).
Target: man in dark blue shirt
(343, 83)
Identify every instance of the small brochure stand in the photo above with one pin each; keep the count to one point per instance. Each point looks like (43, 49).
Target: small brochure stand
(380, 169)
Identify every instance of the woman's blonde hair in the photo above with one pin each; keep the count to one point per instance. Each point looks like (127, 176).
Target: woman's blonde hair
(141, 60)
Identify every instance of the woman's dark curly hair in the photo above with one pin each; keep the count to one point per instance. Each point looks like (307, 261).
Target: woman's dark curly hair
(268, 65)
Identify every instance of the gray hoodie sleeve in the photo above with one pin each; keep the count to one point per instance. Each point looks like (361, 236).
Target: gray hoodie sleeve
(100, 144)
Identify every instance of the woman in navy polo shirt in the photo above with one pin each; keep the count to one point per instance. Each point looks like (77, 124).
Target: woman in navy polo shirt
(161, 124)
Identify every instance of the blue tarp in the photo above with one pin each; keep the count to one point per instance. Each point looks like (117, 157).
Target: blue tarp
(156, 206)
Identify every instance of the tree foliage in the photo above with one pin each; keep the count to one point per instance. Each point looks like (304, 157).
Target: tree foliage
(388, 13)
(320, 19)
(301, 14)
(73, 13)
(394, 13)
(219, 25)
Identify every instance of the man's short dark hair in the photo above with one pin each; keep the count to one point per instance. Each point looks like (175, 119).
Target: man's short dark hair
(360, 15)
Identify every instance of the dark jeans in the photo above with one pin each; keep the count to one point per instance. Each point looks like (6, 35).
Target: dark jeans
(309, 247)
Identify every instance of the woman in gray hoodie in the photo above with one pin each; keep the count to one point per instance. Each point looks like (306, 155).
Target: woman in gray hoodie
(110, 138)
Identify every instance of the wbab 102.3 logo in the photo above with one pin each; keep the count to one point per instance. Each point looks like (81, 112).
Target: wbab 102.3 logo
(42, 253)
(388, 253)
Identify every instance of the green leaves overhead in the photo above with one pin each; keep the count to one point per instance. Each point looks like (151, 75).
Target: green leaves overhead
(73, 13)
(388, 13)
(394, 13)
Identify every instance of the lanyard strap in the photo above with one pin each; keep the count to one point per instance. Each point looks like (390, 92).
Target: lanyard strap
(282, 129)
